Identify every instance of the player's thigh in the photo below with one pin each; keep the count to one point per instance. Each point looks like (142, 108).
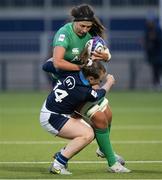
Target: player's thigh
(53, 122)
(108, 114)
(65, 126)
(76, 128)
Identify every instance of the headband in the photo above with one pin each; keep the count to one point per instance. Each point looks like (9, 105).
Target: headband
(84, 18)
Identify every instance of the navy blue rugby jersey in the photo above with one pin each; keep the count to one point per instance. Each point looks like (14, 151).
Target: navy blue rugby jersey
(70, 91)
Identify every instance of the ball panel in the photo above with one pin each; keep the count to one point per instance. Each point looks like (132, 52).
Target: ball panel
(96, 43)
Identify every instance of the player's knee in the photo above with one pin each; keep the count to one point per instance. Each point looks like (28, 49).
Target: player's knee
(89, 136)
(101, 125)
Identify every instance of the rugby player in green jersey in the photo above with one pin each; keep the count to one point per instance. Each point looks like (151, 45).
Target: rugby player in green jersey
(68, 43)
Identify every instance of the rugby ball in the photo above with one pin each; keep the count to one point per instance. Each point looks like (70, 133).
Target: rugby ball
(97, 43)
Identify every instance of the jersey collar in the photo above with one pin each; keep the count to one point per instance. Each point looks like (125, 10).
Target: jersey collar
(83, 79)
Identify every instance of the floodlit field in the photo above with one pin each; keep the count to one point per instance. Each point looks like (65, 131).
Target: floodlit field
(26, 149)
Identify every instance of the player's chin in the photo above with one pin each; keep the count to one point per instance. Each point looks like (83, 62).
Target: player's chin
(82, 34)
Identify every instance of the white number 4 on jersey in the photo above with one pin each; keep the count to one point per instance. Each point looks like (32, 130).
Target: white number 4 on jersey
(60, 94)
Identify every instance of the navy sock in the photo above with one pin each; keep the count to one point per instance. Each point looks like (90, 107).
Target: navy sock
(61, 159)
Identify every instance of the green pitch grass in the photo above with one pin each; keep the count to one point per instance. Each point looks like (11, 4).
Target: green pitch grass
(26, 149)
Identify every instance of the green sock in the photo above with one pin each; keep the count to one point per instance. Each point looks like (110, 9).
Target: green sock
(109, 128)
(103, 140)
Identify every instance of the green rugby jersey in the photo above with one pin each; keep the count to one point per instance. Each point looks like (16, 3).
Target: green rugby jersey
(74, 44)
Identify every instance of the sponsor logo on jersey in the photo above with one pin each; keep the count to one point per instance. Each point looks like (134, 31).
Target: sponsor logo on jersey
(75, 59)
(94, 93)
(61, 37)
(69, 82)
(75, 51)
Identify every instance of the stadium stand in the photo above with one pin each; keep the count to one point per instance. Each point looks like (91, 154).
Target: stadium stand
(27, 28)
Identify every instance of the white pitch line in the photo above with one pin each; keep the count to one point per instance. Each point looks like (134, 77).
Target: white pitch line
(32, 142)
(64, 142)
(78, 162)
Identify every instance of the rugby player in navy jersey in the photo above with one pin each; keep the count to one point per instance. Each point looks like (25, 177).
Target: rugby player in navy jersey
(71, 90)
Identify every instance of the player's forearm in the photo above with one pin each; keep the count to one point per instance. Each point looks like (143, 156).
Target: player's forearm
(106, 86)
(65, 65)
(61, 63)
(109, 82)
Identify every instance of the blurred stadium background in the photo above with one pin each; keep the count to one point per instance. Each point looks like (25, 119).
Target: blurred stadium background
(27, 28)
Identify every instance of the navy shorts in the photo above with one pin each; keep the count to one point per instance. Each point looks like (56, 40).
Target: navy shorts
(53, 122)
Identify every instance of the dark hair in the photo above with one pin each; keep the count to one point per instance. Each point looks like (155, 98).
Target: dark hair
(97, 28)
(84, 12)
(94, 70)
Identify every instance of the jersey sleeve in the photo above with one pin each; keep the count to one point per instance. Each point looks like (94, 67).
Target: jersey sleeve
(48, 67)
(61, 39)
(95, 95)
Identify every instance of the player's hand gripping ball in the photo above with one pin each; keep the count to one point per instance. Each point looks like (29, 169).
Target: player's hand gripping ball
(97, 44)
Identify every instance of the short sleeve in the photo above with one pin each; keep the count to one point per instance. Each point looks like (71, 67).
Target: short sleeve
(61, 39)
(95, 95)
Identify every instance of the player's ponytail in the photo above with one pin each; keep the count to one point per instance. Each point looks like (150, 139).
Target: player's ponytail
(97, 28)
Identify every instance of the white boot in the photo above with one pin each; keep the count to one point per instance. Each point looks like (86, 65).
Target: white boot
(118, 158)
(58, 168)
(118, 168)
